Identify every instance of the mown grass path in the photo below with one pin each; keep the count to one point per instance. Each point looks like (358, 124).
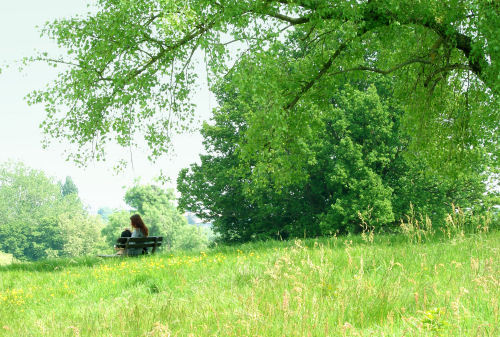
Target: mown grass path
(328, 287)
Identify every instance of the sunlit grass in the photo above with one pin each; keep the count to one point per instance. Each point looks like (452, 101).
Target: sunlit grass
(328, 287)
(5, 259)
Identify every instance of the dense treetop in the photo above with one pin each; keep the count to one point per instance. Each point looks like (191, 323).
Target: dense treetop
(360, 177)
(131, 73)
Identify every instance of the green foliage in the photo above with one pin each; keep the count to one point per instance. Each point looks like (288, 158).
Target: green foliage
(191, 238)
(360, 144)
(68, 187)
(38, 221)
(80, 234)
(357, 169)
(129, 71)
(141, 197)
(117, 222)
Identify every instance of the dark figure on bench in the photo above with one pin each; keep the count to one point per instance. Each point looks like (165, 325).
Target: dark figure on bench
(126, 233)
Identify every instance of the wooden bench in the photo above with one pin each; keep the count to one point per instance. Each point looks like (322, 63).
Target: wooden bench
(137, 243)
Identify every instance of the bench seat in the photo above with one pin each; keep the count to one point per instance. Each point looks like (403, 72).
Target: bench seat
(137, 243)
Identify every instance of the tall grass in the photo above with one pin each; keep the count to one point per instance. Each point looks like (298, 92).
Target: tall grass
(418, 228)
(372, 285)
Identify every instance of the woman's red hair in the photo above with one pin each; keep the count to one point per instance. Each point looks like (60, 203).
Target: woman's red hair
(138, 223)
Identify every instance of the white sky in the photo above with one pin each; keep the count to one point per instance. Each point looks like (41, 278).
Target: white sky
(20, 136)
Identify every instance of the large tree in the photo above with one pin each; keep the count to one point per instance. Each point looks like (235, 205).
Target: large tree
(358, 171)
(130, 69)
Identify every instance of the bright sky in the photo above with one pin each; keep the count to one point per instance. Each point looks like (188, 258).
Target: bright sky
(20, 136)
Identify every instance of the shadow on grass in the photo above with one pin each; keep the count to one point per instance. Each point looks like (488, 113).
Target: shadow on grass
(51, 265)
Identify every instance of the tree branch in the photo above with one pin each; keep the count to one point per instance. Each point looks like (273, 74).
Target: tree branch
(446, 69)
(461, 41)
(190, 56)
(61, 61)
(290, 20)
(310, 83)
(327, 65)
(52, 60)
(373, 16)
(200, 30)
(381, 71)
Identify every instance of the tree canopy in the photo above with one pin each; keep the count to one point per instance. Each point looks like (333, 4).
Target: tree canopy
(131, 72)
(358, 175)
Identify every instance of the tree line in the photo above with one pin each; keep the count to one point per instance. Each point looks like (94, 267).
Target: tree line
(43, 218)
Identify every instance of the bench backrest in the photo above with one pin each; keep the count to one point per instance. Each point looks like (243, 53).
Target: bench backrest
(151, 241)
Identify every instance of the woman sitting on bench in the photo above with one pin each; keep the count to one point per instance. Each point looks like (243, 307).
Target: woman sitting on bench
(139, 231)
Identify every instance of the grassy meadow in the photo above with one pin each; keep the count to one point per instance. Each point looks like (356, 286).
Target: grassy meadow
(340, 286)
